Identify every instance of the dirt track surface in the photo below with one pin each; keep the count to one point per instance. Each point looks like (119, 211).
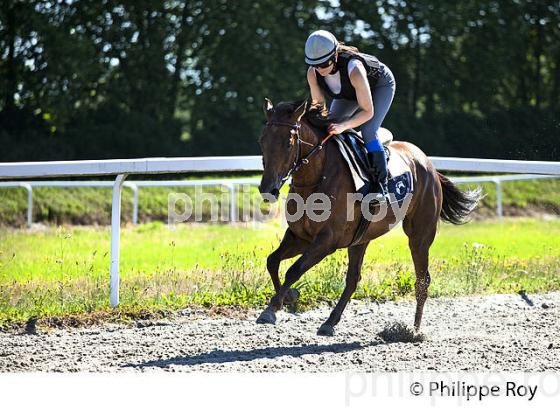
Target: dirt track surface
(488, 333)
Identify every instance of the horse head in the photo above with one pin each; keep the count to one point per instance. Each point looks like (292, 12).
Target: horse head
(280, 146)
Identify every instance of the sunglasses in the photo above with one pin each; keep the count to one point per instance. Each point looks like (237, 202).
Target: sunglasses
(324, 65)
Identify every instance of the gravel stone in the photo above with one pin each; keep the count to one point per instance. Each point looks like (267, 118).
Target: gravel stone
(475, 333)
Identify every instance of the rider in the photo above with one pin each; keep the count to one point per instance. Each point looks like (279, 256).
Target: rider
(357, 83)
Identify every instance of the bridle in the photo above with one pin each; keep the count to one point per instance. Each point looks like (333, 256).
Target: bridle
(299, 161)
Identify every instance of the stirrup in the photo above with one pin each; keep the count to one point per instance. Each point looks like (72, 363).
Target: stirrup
(377, 199)
(377, 195)
(382, 193)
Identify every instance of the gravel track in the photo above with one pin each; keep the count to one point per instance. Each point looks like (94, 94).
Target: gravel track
(480, 333)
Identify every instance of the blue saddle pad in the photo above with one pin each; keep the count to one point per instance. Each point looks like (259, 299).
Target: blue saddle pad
(400, 186)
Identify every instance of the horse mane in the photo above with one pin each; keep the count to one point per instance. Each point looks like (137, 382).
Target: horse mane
(316, 114)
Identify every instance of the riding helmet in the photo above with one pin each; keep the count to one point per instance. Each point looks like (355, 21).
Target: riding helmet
(320, 47)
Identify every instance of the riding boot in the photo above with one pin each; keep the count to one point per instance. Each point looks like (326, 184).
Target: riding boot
(378, 173)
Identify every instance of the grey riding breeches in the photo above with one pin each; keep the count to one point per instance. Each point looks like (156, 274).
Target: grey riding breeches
(382, 96)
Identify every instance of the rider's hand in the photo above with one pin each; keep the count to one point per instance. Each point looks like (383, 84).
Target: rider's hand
(337, 128)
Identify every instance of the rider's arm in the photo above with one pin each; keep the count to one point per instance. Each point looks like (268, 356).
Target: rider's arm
(358, 78)
(316, 93)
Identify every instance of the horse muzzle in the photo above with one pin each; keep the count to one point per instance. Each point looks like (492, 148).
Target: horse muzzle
(269, 193)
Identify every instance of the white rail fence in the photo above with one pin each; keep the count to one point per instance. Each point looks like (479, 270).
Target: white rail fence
(231, 185)
(122, 168)
(498, 180)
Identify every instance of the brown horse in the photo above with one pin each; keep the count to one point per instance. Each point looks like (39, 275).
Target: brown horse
(291, 146)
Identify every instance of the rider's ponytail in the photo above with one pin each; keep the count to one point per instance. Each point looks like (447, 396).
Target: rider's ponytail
(348, 49)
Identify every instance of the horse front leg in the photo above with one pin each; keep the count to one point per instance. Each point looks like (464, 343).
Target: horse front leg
(290, 246)
(322, 246)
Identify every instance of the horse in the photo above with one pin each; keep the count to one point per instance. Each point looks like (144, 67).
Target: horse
(293, 144)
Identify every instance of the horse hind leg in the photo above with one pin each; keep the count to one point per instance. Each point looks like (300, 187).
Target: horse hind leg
(420, 238)
(355, 260)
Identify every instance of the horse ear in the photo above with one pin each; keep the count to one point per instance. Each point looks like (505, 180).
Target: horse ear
(300, 111)
(267, 107)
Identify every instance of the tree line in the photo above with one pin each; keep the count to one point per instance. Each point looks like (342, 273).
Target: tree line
(133, 78)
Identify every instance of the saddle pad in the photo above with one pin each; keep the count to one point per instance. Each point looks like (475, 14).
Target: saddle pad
(358, 175)
(400, 186)
(357, 147)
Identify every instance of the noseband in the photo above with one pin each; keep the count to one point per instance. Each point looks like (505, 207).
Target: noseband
(299, 161)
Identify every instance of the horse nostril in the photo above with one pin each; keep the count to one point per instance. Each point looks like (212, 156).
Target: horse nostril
(271, 196)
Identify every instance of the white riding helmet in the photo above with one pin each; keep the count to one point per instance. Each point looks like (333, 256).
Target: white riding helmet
(319, 47)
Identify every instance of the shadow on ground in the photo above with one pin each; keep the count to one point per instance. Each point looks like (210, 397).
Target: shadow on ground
(222, 356)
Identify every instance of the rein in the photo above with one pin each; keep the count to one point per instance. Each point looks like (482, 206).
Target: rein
(299, 162)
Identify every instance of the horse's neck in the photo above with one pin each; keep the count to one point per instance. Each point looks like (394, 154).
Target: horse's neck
(309, 175)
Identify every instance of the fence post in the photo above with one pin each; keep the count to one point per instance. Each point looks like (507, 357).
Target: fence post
(115, 238)
(232, 202)
(29, 203)
(499, 209)
(134, 189)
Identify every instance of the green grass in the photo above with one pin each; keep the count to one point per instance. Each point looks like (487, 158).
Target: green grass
(89, 206)
(64, 271)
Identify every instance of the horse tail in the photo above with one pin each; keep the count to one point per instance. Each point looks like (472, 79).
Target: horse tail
(457, 205)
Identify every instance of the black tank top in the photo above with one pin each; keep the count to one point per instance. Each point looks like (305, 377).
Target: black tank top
(347, 91)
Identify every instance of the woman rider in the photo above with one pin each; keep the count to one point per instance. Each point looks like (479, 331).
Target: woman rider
(357, 83)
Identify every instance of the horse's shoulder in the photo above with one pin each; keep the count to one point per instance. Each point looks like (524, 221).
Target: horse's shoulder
(335, 165)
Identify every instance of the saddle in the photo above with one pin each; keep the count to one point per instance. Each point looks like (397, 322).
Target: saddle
(353, 150)
(356, 142)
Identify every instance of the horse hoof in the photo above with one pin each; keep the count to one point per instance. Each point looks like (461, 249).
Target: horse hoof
(325, 330)
(292, 296)
(267, 317)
